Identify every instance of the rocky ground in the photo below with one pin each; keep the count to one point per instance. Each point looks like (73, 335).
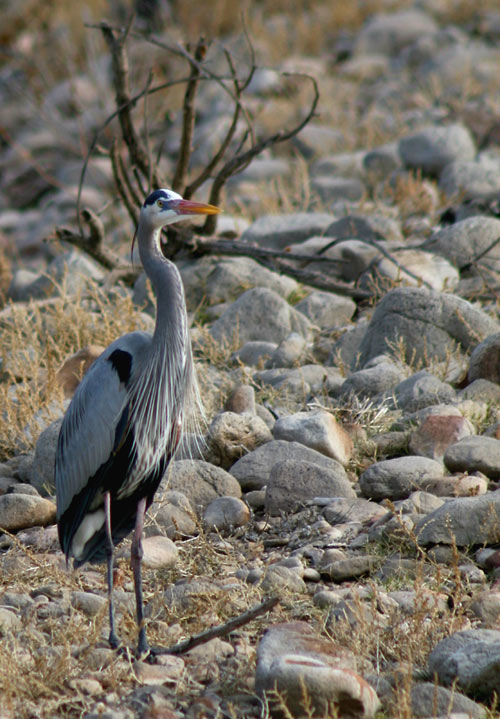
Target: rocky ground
(351, 458)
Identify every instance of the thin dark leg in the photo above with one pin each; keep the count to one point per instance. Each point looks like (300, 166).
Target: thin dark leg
(110, 551)
(135, 560)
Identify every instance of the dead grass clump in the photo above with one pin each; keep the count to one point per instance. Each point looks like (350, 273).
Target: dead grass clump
(35, 338)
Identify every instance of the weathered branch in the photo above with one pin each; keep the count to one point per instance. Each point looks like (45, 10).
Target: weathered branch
(242, 159)
(188, 110)
(119, 63)
(280, 262)
(123, 185)
(221, 630)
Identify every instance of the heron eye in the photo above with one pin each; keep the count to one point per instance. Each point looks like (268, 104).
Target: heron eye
(159, 203)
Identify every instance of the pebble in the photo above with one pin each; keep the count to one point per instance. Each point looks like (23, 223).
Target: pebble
(318, 430)
(436, 433)
(277, 231)
(201, 482)
(424, 323)
(18, 511)
(231, 435)
(465, 520)
(461, 242)
(292, 482)
(469, 660)
(397, 478)
(226, 513)
(159, 553)
(433, 148)
(254, 353)
(288, 353)
(253, 470)
(326, 309)
(242, 321)
(474, 454)
(169, 671)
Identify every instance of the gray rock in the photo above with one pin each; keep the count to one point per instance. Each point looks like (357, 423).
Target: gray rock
(9, 622)
(380, 162)
(365, 227)
(466, 521)
(461, 242)
(484, 361)
(318, 430)
(277, 231)
(301, 381)
(254, 352)
(41, 474)
(380, 375)
(342, 570)
(241, 400)
(325, 309)
(424, 323)
(88, 602)
(278, 578)
(201, 482)
(398, 478)
(232, 435)
(474, 454)
(432, 148)
(159, 553)
(341, 510)
(464, 180)
(332, 189)
(171, 514)
(425, 267)
(316, 139)
(430, 700)
(18, 511)
(481, 391)
(389, 33)
(292, 482)
(225, 513)
(471, 659)
(242, 321)
(288, 353)
(347, 349)
(419, 391)
(253, 470)
(214, 281)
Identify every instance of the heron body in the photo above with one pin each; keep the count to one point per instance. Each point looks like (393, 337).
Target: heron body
(124, 422)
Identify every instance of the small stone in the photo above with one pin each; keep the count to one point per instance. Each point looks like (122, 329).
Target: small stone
(87, 602)
(475, 453)
(292, 483)
(170, 670)
(241, 400)
(232, 435)
(9, 622)
(397, 478)
(350, 568)
(159, 553)
(436, 433)
(18, 511)
(225, 513)
(278, 578)
(318, 430)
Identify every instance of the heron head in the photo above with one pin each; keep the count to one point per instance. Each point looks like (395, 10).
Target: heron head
(164, 207)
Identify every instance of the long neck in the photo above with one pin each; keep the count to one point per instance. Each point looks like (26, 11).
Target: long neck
(171, 321)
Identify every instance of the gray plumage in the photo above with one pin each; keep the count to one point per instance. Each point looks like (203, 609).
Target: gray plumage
(124, 422)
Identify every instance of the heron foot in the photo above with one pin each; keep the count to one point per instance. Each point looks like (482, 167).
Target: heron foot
(114, 641)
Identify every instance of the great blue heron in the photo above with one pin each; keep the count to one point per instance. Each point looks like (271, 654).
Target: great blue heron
(124, 422)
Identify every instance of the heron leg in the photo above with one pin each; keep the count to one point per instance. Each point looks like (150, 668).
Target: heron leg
(135, 560)
(110, 552)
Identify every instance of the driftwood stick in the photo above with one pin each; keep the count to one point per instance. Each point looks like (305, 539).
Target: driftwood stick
(221, 630)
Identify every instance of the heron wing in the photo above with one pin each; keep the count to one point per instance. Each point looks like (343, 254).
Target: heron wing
(96, 421)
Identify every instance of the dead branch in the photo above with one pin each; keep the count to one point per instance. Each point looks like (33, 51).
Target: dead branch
(280, 262)
(116, 41)
(123, 185)
(221, 630)
(242, 159)
(188, 109)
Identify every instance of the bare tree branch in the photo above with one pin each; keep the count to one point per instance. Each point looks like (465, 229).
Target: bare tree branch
(188, 109)
(222, 630)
